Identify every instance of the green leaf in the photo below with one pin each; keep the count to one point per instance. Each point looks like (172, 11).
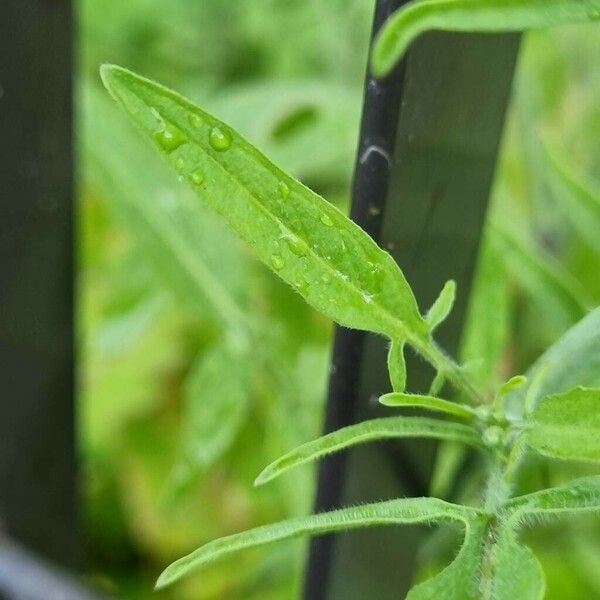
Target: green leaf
(580, 495)
(513, 383)
(579, 199)
(459, 580)
(573, 360)
(393, 512)
(485, 16)
(303, 238)
(567, 425)
(515, 571)
(367, 431)
(556, 293)
(397, 366)
(491, 565)
(441, 308)
(215, 406)
(427, 403)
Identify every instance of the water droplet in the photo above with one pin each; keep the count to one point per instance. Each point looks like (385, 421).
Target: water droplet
(296, 245)
(284, 190)
(219, 139)
(179, 163)
(195, 121)
(374, 210)
(170, 138)
(326, 220)
(277, 262)
(197, 177)
(368, 298)
(325, 278)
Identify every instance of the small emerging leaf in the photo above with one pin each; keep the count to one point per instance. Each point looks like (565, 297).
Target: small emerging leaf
(427, 403)
(485, 16)
(567, 425)
(393, 512)
(576, 496)
(305, 240)
(397, 366)
(375, 429)
(441, 308)
(512, 384)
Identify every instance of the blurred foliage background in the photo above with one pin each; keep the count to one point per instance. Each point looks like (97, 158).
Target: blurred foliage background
(198, 366)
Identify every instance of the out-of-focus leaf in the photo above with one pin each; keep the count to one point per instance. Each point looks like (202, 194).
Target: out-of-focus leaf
(441, 308)
(397, 366)
(393, 512)
(567, 425)
(304, 239)
(580, 495)
(367, 431)
(579, 199)
(555, 292)
(486, 16)
(573, 360)
(486, 332)
(216, 395)
(433, 403)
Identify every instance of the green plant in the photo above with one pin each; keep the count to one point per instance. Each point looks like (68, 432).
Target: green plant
(341, 272)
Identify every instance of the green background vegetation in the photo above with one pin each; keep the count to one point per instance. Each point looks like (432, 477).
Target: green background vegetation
(155, 372)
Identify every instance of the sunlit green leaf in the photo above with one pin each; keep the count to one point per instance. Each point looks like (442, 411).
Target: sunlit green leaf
(303, 238)
(367, 431)
(427, 403)
(441, 308)
(393, 512)
(397, 366)
(567, 425)
(486, 16)
(576, 496)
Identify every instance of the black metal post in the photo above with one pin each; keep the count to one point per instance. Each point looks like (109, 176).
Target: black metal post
(38, 504)
(426, 158)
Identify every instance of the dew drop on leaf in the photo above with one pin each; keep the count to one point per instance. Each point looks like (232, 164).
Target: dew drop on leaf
(277, 262)
(284, 190)
(326, 220)
(195, 121)
(197, 177)
(219, 139)
(179, 163)
(296, 245)
(170, 138)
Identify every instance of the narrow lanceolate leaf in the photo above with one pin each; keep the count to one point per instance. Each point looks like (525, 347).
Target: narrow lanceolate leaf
(486, 16)
(567, 425)
(376, 429)
(579, 199)
(580, 495)
(397, 366)
(328, 259)
(427, 403)
(573, 360)
(393, 512)
(441, 308)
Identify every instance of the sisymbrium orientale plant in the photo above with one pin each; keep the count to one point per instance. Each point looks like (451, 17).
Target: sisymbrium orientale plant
(340, 271)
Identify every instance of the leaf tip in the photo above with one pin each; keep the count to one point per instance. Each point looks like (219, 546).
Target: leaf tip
(264, 477)
(165, 579)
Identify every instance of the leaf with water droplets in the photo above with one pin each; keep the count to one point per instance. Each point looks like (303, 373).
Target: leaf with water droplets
(398, 400)
(441, 308)
(368, 431)
(489, 16)
(393, 512)
(303, 238)
(567, 425)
